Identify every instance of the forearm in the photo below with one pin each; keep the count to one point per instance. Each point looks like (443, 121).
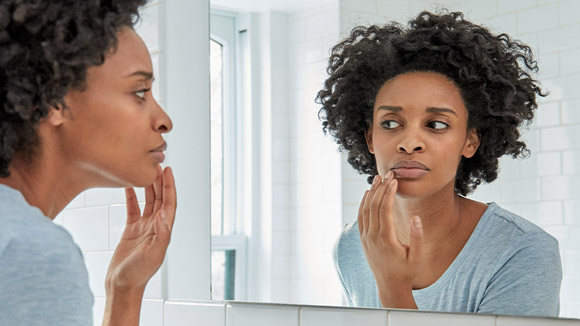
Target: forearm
(123, 308)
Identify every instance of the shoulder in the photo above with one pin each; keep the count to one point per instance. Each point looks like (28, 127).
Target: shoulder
(47, 247)
(348, 254)
(42, 275)
(31, 243)
(348, 241)
(523, 242)
(44, 236)
(510, 227)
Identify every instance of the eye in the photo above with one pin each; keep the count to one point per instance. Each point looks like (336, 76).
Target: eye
(390, 124)
(141, 93)
(438, 125)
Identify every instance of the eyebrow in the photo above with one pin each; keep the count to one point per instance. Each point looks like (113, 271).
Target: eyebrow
(429, 109)
(441, 110)
(148, 75)
(390, 108)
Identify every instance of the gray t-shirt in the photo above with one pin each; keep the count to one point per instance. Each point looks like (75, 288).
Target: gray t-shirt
(43, 278)
(508, 266)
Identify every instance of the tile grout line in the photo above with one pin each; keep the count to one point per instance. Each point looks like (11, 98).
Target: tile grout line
(225, 312)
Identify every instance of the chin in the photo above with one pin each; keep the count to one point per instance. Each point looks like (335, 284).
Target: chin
(145, 179)
(136, 178)
(409, 189)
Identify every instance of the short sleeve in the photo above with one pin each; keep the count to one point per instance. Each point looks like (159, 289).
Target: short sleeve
(335, 255)
(527, 278)
(43, 280)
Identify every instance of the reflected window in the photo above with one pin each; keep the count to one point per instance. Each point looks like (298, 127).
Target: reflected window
(228, 240)
(223, 274)
(217, 157)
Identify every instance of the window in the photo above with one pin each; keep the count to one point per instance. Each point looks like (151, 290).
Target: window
(228, 241)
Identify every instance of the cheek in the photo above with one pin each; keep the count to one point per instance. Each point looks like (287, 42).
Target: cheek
(384, 151)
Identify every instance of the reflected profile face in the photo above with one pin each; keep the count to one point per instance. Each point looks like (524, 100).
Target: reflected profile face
(112, 130)
(419, 131)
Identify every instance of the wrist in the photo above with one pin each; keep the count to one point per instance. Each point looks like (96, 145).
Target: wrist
(122, 307)
(397, 296)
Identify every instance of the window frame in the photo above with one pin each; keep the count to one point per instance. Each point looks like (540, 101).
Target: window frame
(233, 167)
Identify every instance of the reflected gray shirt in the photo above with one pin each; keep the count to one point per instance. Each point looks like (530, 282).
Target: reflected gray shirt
(43, 278)
(508, 266)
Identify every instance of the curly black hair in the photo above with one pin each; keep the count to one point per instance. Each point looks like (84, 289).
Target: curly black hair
(492, 72)
(46, 48)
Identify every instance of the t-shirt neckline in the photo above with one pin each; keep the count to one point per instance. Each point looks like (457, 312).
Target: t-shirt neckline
(446, 276)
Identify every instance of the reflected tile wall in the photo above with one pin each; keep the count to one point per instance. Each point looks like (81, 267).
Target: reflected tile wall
(315, 215)
(252, 314)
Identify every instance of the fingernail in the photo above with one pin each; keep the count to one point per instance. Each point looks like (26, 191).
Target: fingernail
(389, 174)
(376, 179)
(392, 183)
(417, 222)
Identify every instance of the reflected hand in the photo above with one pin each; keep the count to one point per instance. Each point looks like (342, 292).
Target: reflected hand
(393, 264)
(144, 242)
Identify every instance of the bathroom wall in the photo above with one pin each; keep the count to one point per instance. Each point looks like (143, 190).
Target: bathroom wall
(315, 184)
(248, 314)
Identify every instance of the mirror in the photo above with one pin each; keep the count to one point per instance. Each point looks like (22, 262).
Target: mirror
(281, 192)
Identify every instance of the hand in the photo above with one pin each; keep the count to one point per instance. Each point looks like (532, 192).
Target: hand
(393, 264)
(144, 242)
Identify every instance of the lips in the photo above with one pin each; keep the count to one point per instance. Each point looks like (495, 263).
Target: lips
(409, 169)
(157, 153)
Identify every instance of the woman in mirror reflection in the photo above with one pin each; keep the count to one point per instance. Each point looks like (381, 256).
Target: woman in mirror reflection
(77, 113)
(426, 111)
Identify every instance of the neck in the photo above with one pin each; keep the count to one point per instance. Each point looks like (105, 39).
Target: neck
(442, 215)
(48, 180)
(43, 186)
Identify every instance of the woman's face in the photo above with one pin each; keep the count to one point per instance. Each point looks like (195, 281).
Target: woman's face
(419, 132)
(112, 130)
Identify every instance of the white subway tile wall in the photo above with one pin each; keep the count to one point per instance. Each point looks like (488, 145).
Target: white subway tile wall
(319, 316)
(240, 314)
(522, 321)
(436, 319)
(152, 313)
(193, 314)
(314, 163)
(255, 314)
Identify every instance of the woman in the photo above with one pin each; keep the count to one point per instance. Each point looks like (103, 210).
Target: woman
(77, 113)
(427, 111)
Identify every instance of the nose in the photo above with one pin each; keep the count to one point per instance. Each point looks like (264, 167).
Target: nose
(411, 142)
(161, 122)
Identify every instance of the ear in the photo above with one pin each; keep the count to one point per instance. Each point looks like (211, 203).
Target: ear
(56, 115)
(471, 144)
(369, 139)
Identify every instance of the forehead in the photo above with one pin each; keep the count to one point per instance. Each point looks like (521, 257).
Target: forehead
(130, 55)
(420, 90)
